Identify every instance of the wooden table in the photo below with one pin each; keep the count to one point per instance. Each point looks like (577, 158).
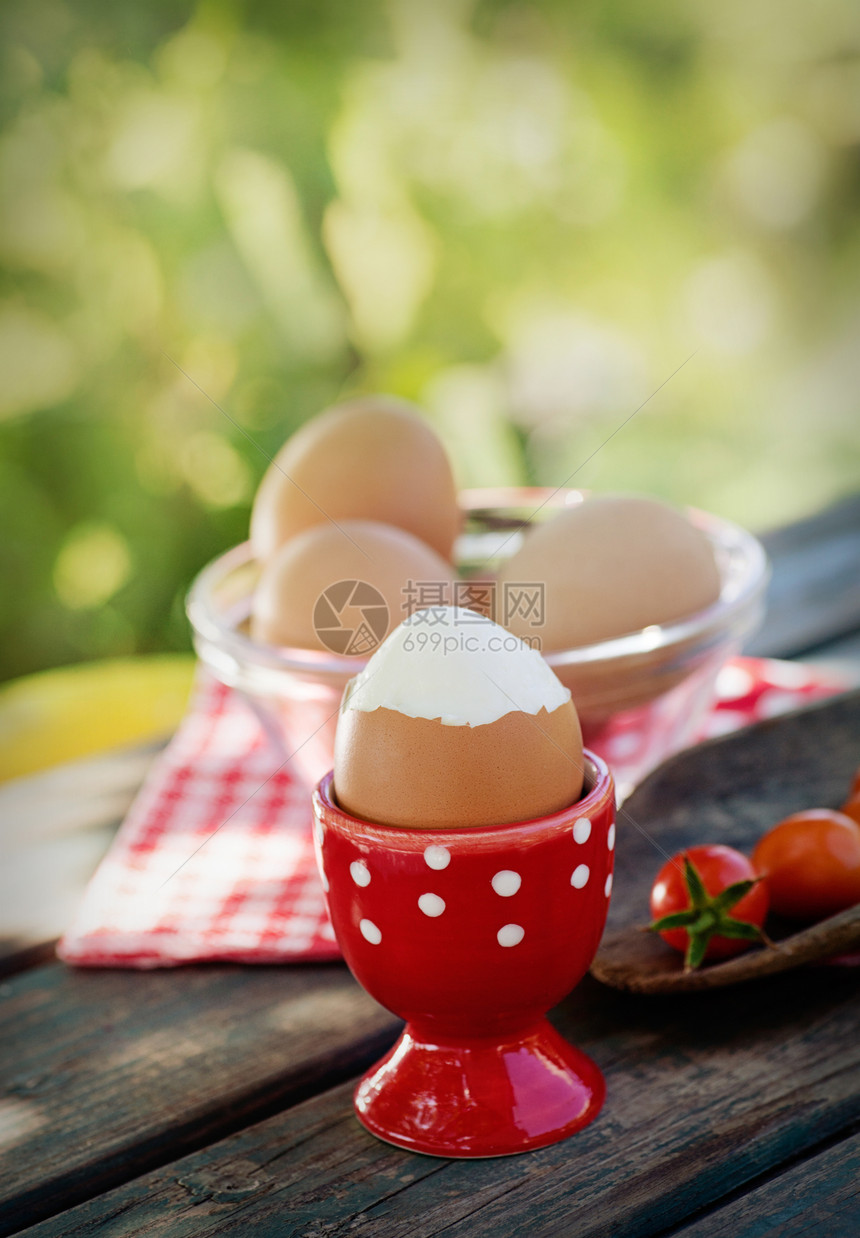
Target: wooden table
(217, 1100)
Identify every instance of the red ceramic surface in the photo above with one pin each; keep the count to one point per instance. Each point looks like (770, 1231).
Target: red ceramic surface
(471, 936)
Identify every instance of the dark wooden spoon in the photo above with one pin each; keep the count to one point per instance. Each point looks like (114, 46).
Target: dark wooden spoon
(642, 962)
(729, 790)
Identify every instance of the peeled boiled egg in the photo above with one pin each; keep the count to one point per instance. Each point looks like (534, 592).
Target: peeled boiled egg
(372, 458)
(343, 586)
(455, 722)
(609, 566)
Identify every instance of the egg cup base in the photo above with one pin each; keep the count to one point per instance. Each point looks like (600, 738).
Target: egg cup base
(480, 1099)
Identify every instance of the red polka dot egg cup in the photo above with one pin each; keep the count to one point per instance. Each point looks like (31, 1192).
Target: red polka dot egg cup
(471, 936)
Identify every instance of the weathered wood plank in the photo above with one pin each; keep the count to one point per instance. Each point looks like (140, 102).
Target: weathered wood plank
(706, 1091)
(814, 595)
(705, 1094)
(54, 829)
(821, 1194)
(106, 1074)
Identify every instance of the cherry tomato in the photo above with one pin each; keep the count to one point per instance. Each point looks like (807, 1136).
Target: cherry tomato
(855, 785)
(718, 868)
(811, 863)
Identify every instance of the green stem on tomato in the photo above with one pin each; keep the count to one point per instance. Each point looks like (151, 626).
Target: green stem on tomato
(707, 917)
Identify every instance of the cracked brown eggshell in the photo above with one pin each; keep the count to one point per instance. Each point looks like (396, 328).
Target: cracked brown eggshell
(419, 773)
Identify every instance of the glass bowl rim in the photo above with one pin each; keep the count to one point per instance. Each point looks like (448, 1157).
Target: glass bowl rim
(210, 626)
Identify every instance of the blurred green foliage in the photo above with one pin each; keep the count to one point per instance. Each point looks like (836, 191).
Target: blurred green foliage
(523, 215)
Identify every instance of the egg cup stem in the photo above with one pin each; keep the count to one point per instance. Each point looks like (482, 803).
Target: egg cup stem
(479, 1098)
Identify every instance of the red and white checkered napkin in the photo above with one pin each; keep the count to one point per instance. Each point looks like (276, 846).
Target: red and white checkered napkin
(215, 859)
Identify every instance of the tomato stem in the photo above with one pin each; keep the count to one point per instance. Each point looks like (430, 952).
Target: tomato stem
(708, 916)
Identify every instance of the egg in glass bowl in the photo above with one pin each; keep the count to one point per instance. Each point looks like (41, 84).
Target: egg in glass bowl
(640, 695)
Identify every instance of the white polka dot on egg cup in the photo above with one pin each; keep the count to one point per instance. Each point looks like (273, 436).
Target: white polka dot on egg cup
(471, 936)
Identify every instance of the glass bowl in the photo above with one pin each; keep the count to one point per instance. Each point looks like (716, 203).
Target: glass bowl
(640, 697)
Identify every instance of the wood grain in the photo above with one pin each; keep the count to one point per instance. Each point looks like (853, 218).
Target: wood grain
(821, 1194)
(55, 827)
(105, 1073)
(705, 1093)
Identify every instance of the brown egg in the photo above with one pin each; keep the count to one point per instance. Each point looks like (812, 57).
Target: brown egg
(430, 735)
(372, 458)
(343, 587)
(419, 773)
(609, 566)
